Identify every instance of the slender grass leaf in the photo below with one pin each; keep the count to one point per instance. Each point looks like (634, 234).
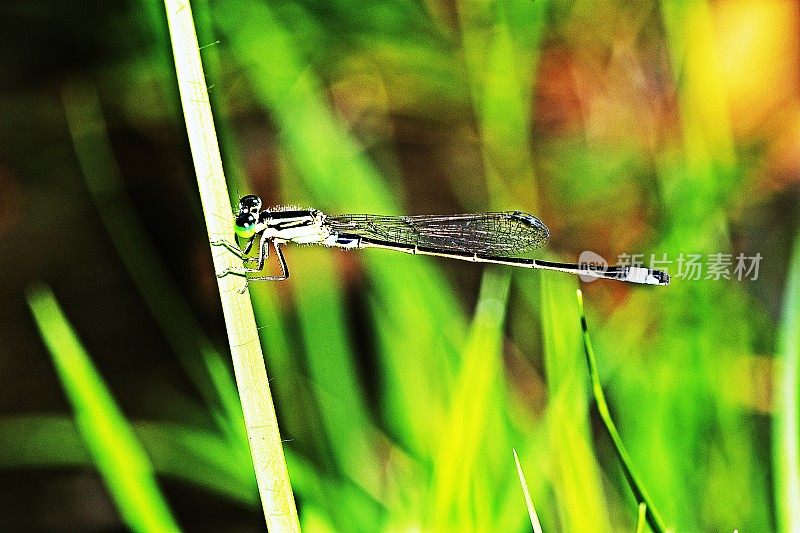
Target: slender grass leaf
(266, 446)
(111, 441)
(332, 367)
(537, 527)
(466, 479)
(641, 520)
(191, 456)
(785, 448)
(576, 475)
(605, 415)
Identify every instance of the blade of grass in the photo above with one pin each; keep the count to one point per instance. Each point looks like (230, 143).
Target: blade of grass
(785, 448)
(537, 527)
(465, 480)
(332, 369)
(291, 382)
(248, 362)
(576, 474)
(412, 301)
(641, 520)
(500, 44)
(195, 457)
(109, 437)
(636, 486)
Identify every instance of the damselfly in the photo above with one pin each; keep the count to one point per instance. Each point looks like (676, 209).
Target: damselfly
(481, 238)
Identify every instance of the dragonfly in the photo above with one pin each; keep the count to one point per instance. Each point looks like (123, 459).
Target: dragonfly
(480, 238)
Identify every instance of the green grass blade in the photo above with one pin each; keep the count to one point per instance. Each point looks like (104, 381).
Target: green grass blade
(576, 474)
(272, 476)
(465, 479)
(116, 451)
(785, 448)
(641, 520)
(332, 368)
(417, 378)
(195, 457)
(291, 383)
(537, 527)
(625, 461)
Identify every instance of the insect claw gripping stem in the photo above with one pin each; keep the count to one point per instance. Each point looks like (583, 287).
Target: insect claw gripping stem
(235, 273)
(263, 254)
(230, 247)
(244, 287)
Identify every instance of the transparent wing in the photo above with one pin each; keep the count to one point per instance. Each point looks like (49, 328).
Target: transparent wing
(511, 232)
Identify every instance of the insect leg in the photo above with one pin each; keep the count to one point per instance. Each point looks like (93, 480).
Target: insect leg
(238, 252)
(230, 247)
(242, 271)
(284, 269)
(250, 244)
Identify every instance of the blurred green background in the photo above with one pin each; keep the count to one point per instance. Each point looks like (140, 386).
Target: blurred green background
(403, 383)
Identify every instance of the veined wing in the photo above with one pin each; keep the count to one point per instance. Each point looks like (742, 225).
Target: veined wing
(507, 233)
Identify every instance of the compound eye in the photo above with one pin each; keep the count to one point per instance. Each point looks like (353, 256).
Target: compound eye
(245, 225)
(250, 204)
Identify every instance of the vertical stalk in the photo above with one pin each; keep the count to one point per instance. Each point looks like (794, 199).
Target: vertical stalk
(785, 447)
(639, 492)
(248, 362)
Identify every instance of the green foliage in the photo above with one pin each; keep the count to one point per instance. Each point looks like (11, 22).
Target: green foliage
(471, 481)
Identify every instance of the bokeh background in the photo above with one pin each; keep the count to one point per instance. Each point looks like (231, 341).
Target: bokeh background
(403, 383)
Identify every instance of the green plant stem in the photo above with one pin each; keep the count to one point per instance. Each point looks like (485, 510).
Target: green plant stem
(537, 526)
(642, 519)
(248, 362)
(625, 461)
